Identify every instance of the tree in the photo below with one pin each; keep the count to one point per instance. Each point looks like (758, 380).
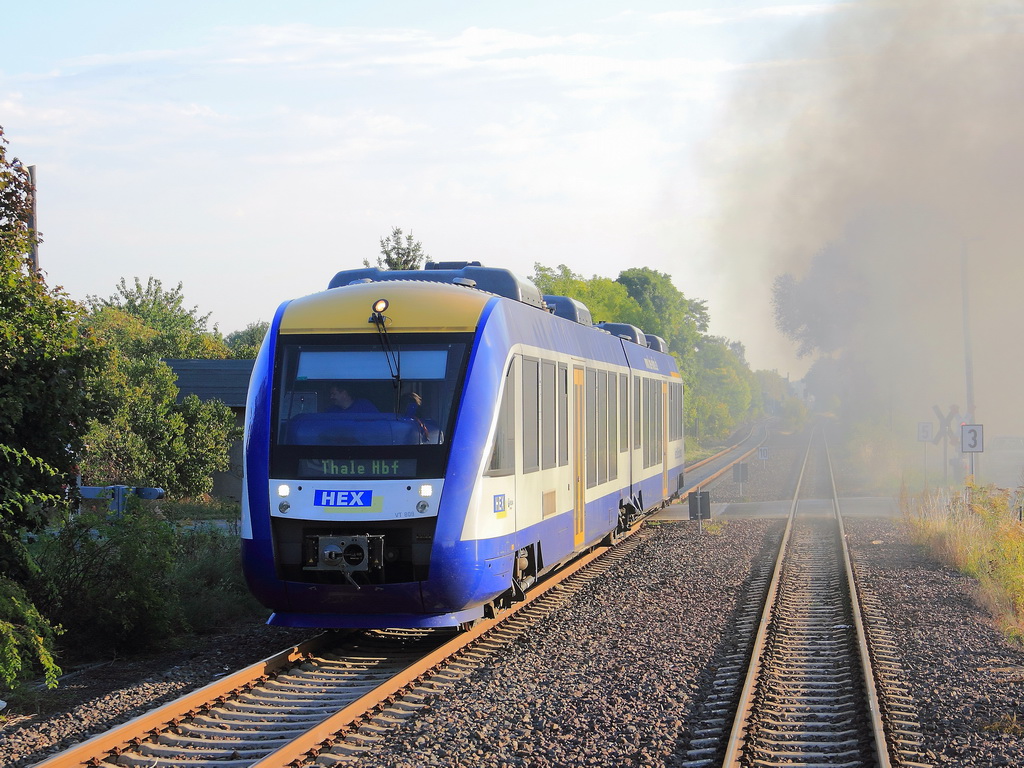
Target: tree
(721, 389)
(607, 300)
(398, 252)
(774, 390)
(823, 311)
(728, 385)
(150, 437)
(175, 332)
(667, 312)
(245, 344)
(47, 360)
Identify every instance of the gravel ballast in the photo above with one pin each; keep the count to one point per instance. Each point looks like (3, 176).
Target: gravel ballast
(616, 674)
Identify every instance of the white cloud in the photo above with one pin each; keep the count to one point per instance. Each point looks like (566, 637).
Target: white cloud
(706, 17)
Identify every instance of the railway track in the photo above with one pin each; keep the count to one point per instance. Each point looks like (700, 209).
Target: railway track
(799, 687)
(329, 702)
(326, 701)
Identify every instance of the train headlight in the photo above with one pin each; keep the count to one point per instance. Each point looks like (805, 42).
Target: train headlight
(283, 490)
(284, 506)
(380, 305)
(422, 507)
(426, 490)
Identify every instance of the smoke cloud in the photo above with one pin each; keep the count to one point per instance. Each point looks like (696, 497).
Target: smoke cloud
(881, 158)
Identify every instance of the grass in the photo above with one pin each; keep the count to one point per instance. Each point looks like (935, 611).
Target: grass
(1008, 724)
(184, 512)
(977, 532)
(695, 453)
(715, 526)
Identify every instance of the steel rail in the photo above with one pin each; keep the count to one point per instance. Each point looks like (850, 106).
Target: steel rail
(734, 742)
(310, 744)
(878, 742)
(725, 450)
(126, 735)
(729, 464)
(868, 675)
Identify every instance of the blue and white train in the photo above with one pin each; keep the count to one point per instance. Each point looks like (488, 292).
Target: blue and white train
(421, 445)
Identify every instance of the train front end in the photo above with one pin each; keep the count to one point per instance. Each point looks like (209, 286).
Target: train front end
(349, 434)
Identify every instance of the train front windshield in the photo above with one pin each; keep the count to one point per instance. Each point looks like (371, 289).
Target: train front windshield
(360, 411)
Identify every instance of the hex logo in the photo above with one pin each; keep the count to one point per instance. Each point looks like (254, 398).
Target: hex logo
(342, 498)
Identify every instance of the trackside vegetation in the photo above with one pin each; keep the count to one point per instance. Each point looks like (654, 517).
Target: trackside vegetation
(976, 530)
(47, 360)
(146, 577)
(84, 394)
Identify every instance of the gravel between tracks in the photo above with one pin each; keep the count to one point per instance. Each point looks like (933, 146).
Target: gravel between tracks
(615, 676)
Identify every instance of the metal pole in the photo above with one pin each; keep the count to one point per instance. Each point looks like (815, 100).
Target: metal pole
(924, 458)
(34, 253)
(971, 417)
(968, 360)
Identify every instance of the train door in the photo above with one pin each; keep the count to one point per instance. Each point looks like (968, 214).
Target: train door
(664, 439)
(579, 458)
(636, 460)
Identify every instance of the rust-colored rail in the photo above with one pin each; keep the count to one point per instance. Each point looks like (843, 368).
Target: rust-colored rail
(127, 737)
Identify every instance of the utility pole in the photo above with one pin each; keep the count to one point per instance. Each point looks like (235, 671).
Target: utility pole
(971, 416)
(34, 253)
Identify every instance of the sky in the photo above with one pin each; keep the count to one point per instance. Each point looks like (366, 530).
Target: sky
(250, 149)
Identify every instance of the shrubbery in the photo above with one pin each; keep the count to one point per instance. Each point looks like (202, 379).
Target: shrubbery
(136, 581)
(975, 531)
(25, 639)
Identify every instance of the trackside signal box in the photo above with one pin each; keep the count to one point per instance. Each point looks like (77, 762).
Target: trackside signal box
(700, 505)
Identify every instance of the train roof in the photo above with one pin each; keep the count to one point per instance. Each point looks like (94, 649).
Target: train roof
(502, 282)
(570, 309)
(625, 331)
(656, 342)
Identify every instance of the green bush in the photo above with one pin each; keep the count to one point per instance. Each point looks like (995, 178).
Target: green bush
(141, 580)
(107, 580)
(207, 578)
(794, 414)
(25, 639)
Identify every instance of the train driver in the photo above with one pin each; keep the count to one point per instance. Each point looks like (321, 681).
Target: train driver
(343, 402)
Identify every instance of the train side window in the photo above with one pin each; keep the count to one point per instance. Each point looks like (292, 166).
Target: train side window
(503, 454)
(671, 411)
(613, 422)
(531, 414)
(563, 415)
(549, 414)
(648, 423)
(637, 422)
(660, 393)
(602, 426)
(591, 403)
(680, 412)
(675, 410)
(623, 412)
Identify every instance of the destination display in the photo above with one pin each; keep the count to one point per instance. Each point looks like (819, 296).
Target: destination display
(350, 468)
